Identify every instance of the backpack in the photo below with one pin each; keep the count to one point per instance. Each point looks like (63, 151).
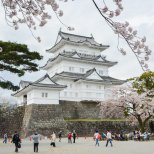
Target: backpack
(99, 136)
(69, 136)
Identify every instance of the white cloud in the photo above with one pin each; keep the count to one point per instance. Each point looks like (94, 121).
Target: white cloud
(142, 20)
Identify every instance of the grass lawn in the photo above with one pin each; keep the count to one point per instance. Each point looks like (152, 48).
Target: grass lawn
(94, 120)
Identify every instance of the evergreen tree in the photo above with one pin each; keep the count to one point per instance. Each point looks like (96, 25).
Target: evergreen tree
(16, 58)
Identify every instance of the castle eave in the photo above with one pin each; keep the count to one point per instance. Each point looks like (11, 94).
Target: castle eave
(61, 57)
(62, 42)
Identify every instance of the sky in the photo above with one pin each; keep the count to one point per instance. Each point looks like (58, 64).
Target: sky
(83, 16)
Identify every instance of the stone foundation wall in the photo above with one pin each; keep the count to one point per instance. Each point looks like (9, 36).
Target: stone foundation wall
(48, 118)
(80, 110)
(44, 119)
(11, 120)
(89, 128)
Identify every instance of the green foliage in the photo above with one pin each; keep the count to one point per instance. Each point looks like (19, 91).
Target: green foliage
(94, 120)
(16, 58)
(144, 83)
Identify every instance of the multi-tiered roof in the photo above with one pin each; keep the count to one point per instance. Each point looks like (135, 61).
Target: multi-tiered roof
(66, 38)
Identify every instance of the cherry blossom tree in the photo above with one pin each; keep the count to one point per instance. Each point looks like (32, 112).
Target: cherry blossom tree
(136, 107)
(31, 12)
(109, 109)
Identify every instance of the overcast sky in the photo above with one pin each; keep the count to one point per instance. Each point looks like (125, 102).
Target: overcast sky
(83, 16)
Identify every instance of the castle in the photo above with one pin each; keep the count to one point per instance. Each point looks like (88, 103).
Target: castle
(76, 72)
(77, 79)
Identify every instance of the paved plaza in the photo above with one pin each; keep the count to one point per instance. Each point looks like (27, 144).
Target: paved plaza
(81, 146)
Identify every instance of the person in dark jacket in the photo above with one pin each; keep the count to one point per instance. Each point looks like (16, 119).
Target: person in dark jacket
(74, 136)
(60, 136)
(16, 140)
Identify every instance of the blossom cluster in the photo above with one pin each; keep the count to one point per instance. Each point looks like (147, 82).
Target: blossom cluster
(128, 101)
(30, 12)
(112, 13)
(125, 31)
(137, 45)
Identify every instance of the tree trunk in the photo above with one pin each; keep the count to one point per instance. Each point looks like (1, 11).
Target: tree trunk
(141, 124)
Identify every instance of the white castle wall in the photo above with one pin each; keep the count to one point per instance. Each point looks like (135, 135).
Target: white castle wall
(77, 91)
(47, 96)
(76, 67)
(80, 49)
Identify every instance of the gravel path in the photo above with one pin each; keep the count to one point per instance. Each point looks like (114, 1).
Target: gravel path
(81, 146)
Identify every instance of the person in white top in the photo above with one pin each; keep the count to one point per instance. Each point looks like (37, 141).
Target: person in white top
(109, 138)
(97, 138)
(53, 139)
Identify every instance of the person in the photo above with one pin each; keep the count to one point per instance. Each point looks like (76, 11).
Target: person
(74, 135)
(5, 138)
(53, 139)
(36, 138)
(16, 140)
(97, 137)
(69, 137)
(60, 135)
(109, 138)
(145, 136)
(103, 136)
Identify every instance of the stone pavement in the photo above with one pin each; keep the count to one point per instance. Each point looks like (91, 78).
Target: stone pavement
(81, 146)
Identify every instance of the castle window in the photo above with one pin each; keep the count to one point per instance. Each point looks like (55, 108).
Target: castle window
(46, 94)
(42, 94)
(81, 70)
(71, 69)
(101, 72)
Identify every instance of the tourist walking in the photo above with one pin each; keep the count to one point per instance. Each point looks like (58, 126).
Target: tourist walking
(60, 135)
(53, 139)
(5, 138)
(74, 134)
(36, 138)
(97, 137)
(103, 136)
(109, 138)
(69, 137)
(16, 140)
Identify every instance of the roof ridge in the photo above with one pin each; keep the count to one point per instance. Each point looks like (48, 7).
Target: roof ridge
(42, 78)
(76, 35)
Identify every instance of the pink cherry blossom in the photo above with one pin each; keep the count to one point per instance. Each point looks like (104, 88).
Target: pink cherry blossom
(126, 102)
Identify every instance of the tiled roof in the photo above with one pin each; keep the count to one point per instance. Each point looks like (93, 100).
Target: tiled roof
(76, 39)
(81, 56)
(79, 76)
(27, 84)
(79, 38)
